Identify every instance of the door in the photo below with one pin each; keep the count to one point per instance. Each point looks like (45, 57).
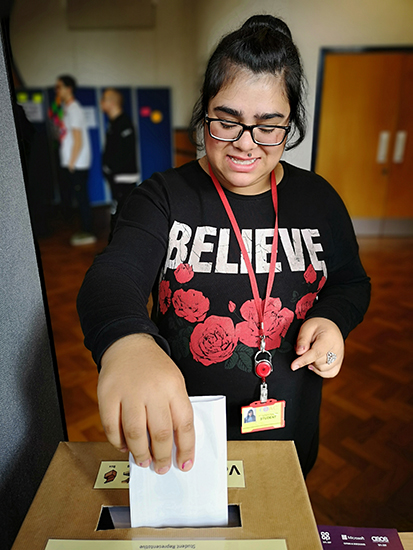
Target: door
(363, 147)
(399, 202)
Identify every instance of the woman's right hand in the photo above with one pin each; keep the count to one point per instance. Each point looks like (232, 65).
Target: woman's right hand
(141, 391)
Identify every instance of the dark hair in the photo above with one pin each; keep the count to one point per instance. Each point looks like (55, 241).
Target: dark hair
(68, 81)
(262, 45)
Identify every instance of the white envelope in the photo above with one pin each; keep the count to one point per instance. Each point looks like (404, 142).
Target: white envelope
(198, 498)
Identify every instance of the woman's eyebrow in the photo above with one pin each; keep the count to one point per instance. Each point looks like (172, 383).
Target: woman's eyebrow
(228, 110)
(269, 116)
(239, 114)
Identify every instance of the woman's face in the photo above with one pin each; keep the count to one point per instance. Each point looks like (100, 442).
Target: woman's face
(242, 166)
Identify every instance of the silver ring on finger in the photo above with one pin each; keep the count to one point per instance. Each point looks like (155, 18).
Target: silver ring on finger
(331, 357)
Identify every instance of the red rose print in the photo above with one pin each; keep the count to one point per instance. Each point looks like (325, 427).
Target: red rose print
(192, 305)
(304, 304)
(249, 312)
(248, 334)
(310, 275)
(164, 296)
(184, 273)
(247, 331)
(277, 321)
(231, 306)
(213, 341)
(321, 283)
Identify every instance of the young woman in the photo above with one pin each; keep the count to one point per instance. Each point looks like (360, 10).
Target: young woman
(253, 265)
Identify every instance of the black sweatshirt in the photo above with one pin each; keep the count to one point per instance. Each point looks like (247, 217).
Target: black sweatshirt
(174, 237)
(119, 156)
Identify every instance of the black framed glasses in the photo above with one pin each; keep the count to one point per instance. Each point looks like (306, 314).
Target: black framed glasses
(261, 134)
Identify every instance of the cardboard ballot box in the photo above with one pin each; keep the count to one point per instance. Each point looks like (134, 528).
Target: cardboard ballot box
(271, 499)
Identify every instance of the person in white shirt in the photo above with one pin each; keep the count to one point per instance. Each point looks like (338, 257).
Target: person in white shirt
(75, 158)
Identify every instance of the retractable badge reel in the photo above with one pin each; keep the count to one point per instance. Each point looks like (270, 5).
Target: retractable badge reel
(263, 368)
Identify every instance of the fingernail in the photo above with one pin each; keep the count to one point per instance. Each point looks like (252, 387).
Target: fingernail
(294, 367)
(300, 348)
(124, 450)
(187, 465)
(163, 470)
(310, 367)
(145, 464)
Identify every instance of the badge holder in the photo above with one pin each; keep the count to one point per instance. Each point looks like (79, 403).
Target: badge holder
(265, 414)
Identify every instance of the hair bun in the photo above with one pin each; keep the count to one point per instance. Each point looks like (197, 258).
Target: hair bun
(257, 22)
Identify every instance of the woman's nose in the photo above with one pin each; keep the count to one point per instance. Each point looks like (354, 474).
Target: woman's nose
(245, 142)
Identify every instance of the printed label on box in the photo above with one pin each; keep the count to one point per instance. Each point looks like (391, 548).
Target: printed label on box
(235, 470)
(115, 475)
(262, 544)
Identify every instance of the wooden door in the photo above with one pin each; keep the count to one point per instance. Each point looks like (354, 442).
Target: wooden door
(366, 101)
(399, 203)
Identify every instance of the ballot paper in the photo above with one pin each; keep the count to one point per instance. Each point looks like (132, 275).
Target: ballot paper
(198, 498)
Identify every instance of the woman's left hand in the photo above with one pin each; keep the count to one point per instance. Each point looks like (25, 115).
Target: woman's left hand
(316, 338)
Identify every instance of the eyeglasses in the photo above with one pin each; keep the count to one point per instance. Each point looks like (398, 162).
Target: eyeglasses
(261, 134)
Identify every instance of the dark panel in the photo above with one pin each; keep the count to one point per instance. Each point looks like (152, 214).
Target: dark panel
(31, 423)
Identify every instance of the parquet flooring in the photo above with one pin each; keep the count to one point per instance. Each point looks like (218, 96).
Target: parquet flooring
(364, 473)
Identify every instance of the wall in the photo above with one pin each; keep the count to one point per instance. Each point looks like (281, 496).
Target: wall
(43, 47)
(175, 52)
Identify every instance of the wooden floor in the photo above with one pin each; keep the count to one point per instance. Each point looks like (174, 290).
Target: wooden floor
(364, 473)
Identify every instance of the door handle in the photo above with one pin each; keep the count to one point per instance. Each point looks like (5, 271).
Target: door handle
(383, 147)
(399, 147)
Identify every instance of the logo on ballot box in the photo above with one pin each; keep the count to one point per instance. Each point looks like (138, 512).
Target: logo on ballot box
(346, 538)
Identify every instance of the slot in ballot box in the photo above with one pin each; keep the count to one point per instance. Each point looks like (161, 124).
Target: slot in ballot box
(270, 498)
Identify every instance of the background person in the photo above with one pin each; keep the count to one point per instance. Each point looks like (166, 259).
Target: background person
(213, 307)
(75, 158)
(119, 157)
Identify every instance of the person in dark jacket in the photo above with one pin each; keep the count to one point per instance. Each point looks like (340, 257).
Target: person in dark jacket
(119, 161)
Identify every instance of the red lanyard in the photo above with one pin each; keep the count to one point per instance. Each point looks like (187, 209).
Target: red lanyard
(259, 304)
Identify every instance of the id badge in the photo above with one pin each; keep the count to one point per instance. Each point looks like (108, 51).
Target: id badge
(258, 416)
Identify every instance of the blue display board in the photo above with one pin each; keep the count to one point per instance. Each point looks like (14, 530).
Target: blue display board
(154, 128)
